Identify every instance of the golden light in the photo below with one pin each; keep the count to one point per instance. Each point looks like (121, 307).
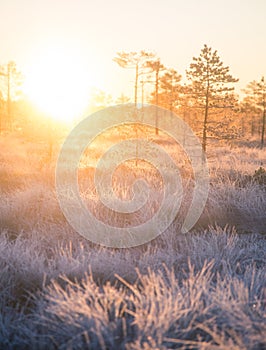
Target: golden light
(58, 82)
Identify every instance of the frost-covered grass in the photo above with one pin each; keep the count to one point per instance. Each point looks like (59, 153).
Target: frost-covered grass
(202, 290)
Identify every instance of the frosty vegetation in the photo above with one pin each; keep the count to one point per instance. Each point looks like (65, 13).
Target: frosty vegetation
(202, 290)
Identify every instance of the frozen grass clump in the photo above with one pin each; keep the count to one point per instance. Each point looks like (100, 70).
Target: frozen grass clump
(201, 290)
(158, 311)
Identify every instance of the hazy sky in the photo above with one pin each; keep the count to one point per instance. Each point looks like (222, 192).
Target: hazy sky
(175, 29)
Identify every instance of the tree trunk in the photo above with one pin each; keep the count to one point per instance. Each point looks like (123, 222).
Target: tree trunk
(252, 125)
(172, 95)
(204, 136)
(8, 99)
(136, 101)
(136, 84)
(263, 122)
(156, 97)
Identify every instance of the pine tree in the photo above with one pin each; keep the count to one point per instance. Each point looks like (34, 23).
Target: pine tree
(134, 60)
(122, 99)
(11, 80)
(209, 77)
(262, 104)
(156, 66)
(169, 90)
(249, 107)
(255, 103)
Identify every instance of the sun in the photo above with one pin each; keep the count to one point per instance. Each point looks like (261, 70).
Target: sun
(58, 81)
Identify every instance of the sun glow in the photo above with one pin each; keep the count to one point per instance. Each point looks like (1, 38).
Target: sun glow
(58, 83)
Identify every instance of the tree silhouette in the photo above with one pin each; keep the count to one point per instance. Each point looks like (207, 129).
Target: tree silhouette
(134, 60)
(11, 81)
(169, 90)
(262, 104)
(156, 66)
(1, 110)
(209, 78)
(249, 107)
(254, 103)
(99, 99)
(122, 99)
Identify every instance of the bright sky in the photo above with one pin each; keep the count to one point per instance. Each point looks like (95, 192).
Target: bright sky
(86, 34)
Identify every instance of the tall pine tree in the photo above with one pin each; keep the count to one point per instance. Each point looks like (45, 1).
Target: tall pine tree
(210, 79)
(254, 104)
(169, 90)
(135, 60)
(249, 108)
(262, 104)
